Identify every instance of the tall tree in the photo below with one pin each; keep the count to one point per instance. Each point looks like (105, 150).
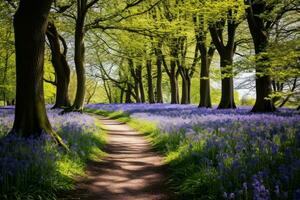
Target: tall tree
(82, 8)
(226, 52)
(30, 25)
(159, 62)
(61, 67)
(173, 71)
(149, 81)
(206, 54)
(139, 76)
(259, 26)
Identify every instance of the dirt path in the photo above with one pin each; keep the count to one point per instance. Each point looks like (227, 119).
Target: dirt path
(131, 170)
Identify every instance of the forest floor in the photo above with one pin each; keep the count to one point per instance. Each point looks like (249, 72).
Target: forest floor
(130, 171)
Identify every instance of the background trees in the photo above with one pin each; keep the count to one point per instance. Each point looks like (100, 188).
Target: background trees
(152, 51)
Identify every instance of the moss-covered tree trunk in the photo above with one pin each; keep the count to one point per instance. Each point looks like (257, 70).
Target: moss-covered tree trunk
(139, 75)
(149, 81)
(159, 60)
(136, 81)
(79, 56)
(61, 67)
(173, 83)
(30, 25)
(128, 93)
(206, 54)
(189, 89)
(205, 99)
(226, 52)
(184, 87)
(259, 32)
(227, 90)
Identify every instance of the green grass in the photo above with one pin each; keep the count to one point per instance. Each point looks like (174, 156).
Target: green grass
(56, 171)
(183, 173)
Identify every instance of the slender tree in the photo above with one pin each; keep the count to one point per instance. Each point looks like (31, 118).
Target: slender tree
(149, 81)
(206, 55)
(82, 9)
(159, 62)
(61, 67)
(139, 76)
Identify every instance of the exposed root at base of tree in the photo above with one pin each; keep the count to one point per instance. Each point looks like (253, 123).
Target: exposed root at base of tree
(57, 139)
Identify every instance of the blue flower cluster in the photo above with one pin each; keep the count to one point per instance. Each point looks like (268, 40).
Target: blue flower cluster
(32, 165)
(254, 156)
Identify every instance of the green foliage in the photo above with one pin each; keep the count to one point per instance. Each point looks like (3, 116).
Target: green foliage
(7, 70)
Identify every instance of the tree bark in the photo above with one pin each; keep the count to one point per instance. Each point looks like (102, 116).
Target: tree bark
(173, 83)
(158, 52)
(61, 67)
(107, 90)
(128, 94)
(121, 95)
(260, 38)
(206, 54)
(189, 89)
(79, 56)
(227, 96)
(172, 73)
(184, 87)
(149, 81)
(205, 99)
(139, 76)
(226, 53)
(136, 81)
(30, 25)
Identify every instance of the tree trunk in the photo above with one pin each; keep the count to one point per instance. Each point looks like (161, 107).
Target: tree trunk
(184, 88)
(61, 67)
(128, 94)
(136, 91)
(206, 55)
(260, 39)
(121, 95)
(205, 100)
(189, 81)
(173, 83)
(159, 97)
(139, 76)
(30, 24)
(226, 53)
(149, 81)
(79, 58)
(227, 96)
(107, 91)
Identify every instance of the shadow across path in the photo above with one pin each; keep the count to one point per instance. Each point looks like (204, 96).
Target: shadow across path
(131, 170)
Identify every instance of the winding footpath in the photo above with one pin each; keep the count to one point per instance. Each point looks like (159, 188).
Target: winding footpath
(130, 171)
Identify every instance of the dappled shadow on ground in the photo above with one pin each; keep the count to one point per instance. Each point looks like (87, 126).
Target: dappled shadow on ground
(130, 171)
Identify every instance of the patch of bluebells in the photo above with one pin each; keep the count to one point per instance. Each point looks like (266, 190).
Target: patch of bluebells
(25, 162)
(28, 163)
(256, 156)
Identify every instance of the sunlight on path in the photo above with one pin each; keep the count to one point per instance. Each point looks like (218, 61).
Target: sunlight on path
(131, 169)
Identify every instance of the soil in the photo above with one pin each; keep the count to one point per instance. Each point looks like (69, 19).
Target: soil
(130, 171)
